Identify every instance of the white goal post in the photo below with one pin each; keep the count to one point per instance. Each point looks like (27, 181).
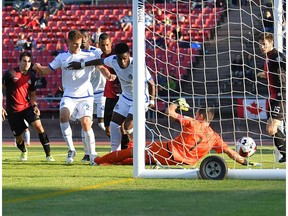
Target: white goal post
(226, 89)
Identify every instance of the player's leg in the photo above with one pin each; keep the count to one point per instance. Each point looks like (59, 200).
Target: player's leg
(35, 121)
(26, 135)
(275, 130)
(100, 111)
(67, 107)
(108, 110)
(85, 114)
(115, 157)
(128, 126)
(115, 136)
(158, 152)
(119, 115)
(17, 125)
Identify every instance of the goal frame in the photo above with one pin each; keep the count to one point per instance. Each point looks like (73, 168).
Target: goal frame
(139, 167)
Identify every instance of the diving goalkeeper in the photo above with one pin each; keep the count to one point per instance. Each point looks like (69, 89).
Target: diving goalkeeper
(195, 141)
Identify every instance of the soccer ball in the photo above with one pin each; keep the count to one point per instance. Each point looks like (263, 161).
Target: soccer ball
(246, 147)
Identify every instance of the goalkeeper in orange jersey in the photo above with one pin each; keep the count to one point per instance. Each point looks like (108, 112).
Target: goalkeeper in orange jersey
(193, 143)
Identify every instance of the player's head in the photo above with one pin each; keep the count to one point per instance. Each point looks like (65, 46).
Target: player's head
(25, 61)
(105, 43)
(266, 42)
(74, 41)
(86, 39)
(123, 55)
(205, 114)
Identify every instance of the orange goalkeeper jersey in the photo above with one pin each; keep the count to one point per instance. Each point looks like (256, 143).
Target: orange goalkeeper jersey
(195, 141)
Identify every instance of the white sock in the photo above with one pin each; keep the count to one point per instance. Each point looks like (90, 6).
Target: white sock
(101, 125)
(86, 149)
(67, 135)
(115, 136)
(90, 140)
(27, 136)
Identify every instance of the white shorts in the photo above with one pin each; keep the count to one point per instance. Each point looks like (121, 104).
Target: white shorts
(99, 104)
(124, 106)
(78, 107)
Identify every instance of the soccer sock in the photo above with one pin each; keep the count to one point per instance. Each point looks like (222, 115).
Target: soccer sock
(27, 136)
(124, 141)
(280, 142)
(67, 135)
(45, 143)
(90, 140)
(115, 156)
(115, 136)
(101, 125)
(21, 146)
(86, 150)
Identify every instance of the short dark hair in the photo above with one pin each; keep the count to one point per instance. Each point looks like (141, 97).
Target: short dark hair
(83, 30)
(266, 36)
(25, 53)
(104, 36)
(207, 112)
(121, 48)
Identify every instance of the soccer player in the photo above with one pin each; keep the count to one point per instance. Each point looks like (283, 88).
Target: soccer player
(98, 82)
(112, 90)
(195, 141)
(78, 93)
(21, 105)
(274, 72)
(122, 64)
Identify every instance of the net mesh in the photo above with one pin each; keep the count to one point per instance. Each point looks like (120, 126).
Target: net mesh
(208, 53)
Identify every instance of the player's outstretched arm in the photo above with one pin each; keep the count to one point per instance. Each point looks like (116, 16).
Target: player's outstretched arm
(79, 65)
(42, 69)
(106, 73)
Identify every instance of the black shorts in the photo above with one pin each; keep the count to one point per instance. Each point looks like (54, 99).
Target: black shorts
(17, 123)
(109, 106)
(277, 110)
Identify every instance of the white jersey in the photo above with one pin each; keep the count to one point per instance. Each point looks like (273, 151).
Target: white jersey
(97, 79)
(125, 76)
(76, 83)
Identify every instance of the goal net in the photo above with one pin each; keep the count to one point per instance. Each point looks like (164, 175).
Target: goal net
(207, 53)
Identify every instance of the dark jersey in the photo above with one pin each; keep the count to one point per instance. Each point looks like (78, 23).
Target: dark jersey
(17, 87)
(112, 88)
(276, 74)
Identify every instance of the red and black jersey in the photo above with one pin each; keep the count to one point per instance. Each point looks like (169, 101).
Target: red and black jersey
(276, 75)
(112, 88)
(18, 86)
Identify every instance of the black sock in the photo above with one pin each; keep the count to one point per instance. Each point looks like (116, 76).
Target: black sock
(21, 146)
(45, 143)
(280, 142)
(124, 141)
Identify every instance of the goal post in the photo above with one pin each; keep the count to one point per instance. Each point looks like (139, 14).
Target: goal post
(200, 65)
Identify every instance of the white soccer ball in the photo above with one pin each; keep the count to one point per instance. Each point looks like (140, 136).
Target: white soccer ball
(246, 146)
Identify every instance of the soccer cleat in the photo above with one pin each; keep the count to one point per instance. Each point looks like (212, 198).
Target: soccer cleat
(70, 156)
(86, 158)
(92, 163)
(282, 160)
(50, 159)
(24, 156)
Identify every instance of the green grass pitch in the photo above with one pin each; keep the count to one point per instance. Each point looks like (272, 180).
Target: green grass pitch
(36, 187)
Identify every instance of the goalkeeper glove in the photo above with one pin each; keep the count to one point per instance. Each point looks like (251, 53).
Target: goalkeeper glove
(250, 163)
(182, 104)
